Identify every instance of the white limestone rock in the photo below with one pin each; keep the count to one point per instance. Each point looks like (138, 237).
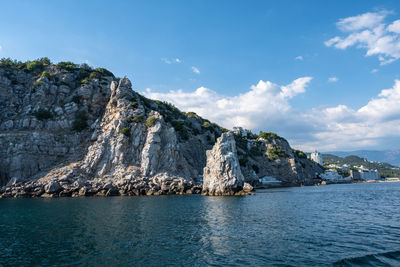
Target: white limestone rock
(222, 174)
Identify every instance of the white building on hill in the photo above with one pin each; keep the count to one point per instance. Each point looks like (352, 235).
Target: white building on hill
(317, 157)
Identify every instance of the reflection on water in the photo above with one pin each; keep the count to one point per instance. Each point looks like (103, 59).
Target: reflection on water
(339, 224)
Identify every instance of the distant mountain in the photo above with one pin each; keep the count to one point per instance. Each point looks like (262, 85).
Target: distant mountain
(389, 156)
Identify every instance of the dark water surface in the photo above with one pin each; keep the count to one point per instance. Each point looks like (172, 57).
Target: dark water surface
(347, 225)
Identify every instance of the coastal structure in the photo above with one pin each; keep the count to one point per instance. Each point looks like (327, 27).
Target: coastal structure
(316, 157)
(332, 176)
(364, 175)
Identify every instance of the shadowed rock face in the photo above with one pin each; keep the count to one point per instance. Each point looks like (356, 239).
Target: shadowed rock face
(222, 174)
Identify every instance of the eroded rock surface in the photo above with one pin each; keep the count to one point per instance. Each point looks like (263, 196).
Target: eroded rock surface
(222, 174)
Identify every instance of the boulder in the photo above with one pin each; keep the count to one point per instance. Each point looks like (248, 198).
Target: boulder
(247, 187)
(52, 187)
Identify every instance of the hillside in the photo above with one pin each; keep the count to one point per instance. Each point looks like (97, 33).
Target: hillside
(384, 169)
(72, 130)
(390, 156)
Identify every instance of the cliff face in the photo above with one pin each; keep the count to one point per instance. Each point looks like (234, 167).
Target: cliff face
(69, 130)
(271, 155)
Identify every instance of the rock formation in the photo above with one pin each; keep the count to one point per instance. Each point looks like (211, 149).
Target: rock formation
(271, 155)
(222, 174)
(70, 130)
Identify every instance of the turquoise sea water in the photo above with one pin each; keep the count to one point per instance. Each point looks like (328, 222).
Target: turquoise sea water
(345, 225)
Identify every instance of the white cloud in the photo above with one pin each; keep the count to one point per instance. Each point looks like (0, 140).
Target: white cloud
(266, 106)
(374, 71)
(375, 125)
(177, 60)
(333, 79)
(264, 102)
(195, 70)
(166, 61)
(367, 20)
(369, 31)
(299, 58)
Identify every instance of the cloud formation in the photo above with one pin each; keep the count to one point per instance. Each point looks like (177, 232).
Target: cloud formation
(266, 106)
(299, 58)
(261, 107)
(333, 79)
(195, 70)
(166, 61)
(369, 31)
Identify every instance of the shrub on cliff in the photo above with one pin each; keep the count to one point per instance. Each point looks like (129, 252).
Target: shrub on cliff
(150, 122)
(299, 154)
(35, 66)
(42, 114)
(37, 83)
(80, 122)
(125, 131)
(275, 153)
(269, 136)
(134, 104)
(66, 66)
(138, 118)
(46, 74)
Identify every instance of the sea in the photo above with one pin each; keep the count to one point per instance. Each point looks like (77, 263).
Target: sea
(334, 225)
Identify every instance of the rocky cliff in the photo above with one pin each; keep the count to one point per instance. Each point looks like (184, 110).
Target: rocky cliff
(70, 130)
(222, 174)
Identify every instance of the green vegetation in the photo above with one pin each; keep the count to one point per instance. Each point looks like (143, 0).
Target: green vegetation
(179, 126)
(269, 136)
(251, 135)
(241, 142)
(275, 153)
(67, 66)
(85, 80)
(125, 131)
(80, 122)
(42, 114)
(138, 118)
(257, 150)
(37, 83)
(35, 66)
(134, 104)
(151, 121)
(46, 74)
(206, 124)
(299, 154)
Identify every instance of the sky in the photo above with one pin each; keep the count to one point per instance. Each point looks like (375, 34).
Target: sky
(322, 74)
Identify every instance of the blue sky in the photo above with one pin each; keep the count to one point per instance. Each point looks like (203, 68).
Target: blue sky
(232, 45)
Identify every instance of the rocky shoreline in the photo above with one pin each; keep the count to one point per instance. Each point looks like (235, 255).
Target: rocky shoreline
(97, 187)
